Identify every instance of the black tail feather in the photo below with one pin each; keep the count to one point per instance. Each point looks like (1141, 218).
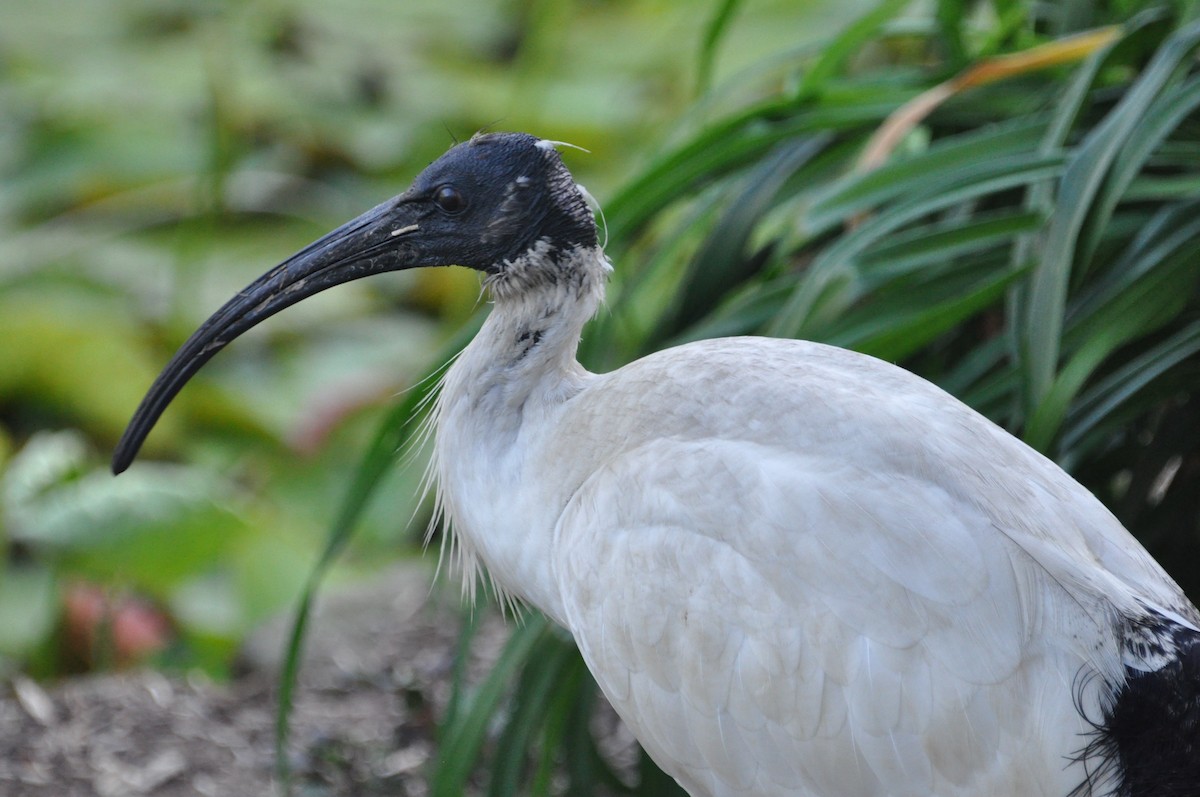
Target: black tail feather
(1147, 744)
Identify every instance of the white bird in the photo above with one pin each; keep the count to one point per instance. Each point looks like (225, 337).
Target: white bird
(792, 569)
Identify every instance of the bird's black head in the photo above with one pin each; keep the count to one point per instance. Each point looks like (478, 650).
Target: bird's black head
(484, 204)
(489, 200)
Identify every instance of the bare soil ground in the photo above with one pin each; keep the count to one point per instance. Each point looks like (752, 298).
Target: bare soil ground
(376, 675)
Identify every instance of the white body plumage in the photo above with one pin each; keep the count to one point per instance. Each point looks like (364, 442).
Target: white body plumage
(793, 569)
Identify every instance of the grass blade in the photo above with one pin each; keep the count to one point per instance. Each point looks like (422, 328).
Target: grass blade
(897, 336)
(827, 287)
(713, 32)
(465, 732)
(850, 41)
(536, 686)
(1159, 121)
(1083, 178)
(721, 265)
(1110, 393)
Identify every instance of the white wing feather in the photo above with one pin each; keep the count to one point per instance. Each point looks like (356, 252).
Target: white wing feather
(765, 664)
(867, 618)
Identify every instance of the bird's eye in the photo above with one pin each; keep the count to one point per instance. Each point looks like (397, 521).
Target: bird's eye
(449, 200)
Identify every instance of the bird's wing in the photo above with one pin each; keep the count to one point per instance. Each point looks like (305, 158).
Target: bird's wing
(857, 410)
(773, 622)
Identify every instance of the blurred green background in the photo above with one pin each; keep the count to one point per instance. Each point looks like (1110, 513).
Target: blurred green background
(1001, 195)
(1026, 237)
(155, 157)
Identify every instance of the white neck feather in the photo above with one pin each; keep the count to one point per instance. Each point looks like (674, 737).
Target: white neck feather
(520, 366)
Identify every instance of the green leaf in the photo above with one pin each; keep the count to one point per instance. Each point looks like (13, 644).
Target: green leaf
(1158, 122)
(465, 732)
(1155, 263)
(537, 685)
(28, 608)
(1136, 318)
(711, 154)
(155, 527)
(846, 44)
(951, 160)
(1110, 393)
(936, 245)
(898, 335)
(1039, 196)
(718, 24)
(827, 286)
(1084, 176)
(721, 264)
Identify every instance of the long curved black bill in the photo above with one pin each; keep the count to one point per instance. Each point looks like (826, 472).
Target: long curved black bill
(379, 240)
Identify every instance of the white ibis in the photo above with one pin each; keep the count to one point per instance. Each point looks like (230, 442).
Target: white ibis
(792, 569)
